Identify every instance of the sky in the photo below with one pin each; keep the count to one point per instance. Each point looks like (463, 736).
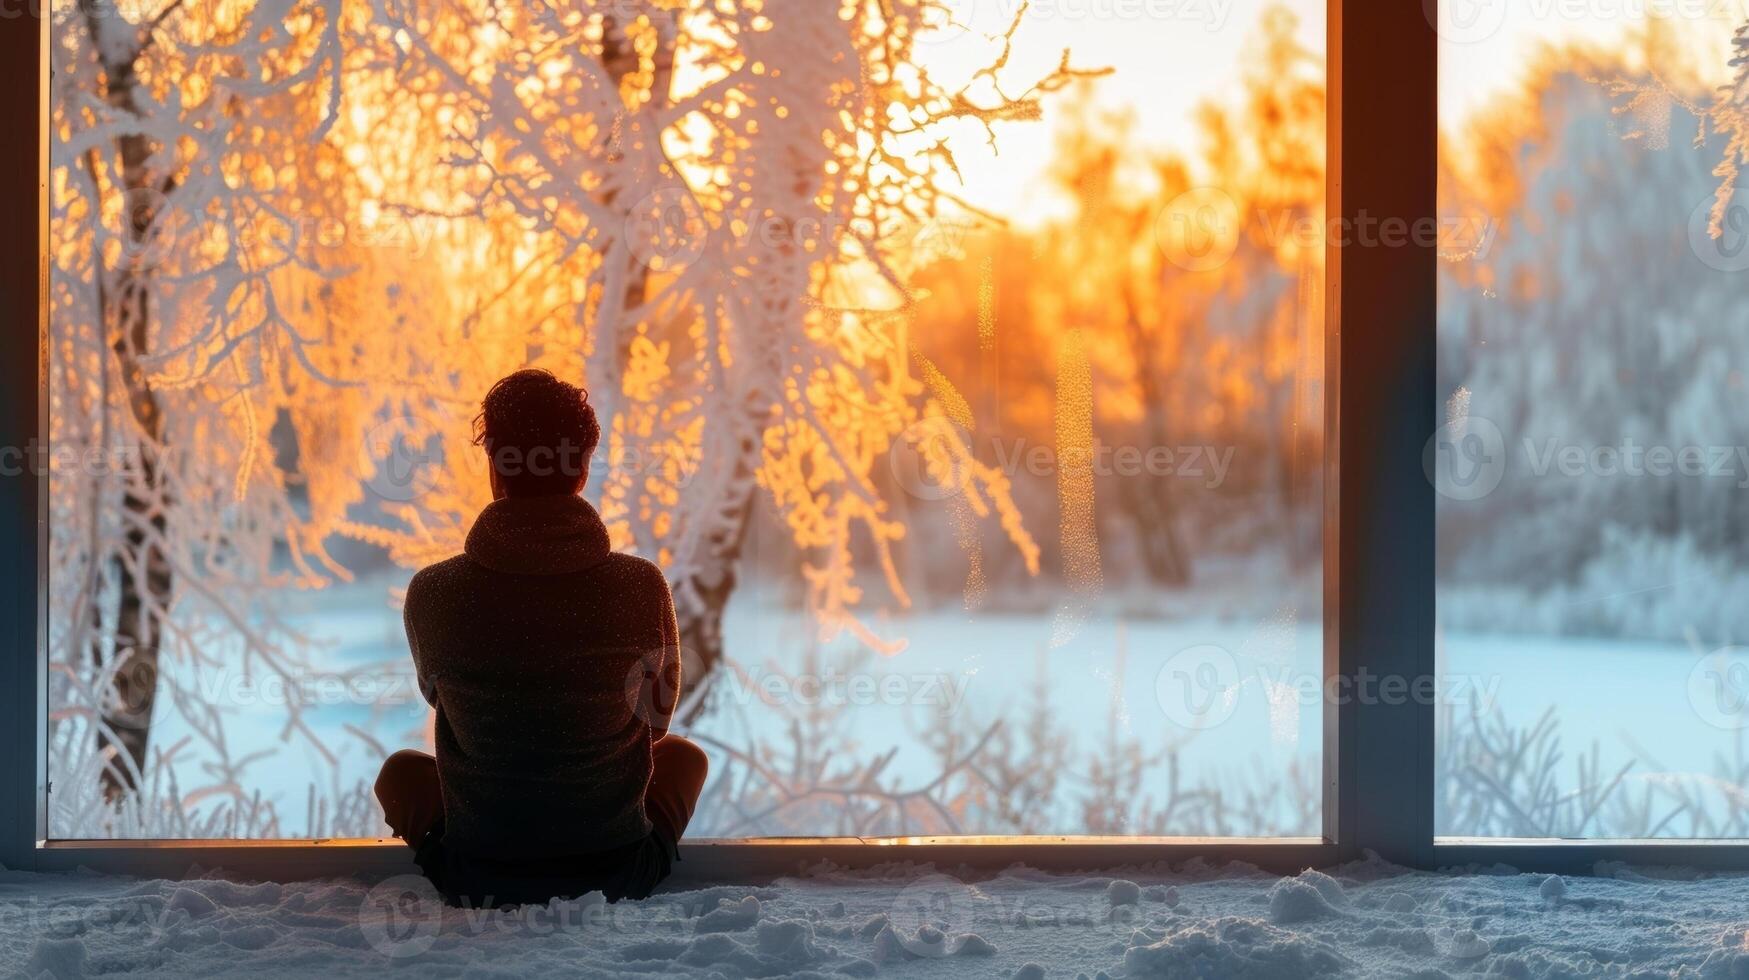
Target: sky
(1169, 56)
(1486, 44)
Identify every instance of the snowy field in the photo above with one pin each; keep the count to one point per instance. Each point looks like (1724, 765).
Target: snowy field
(1236, 695)
(905, 921)
(962, 670)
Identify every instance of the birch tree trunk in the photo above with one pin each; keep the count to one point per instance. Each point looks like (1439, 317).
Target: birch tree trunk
(142, 571)
(702, 585)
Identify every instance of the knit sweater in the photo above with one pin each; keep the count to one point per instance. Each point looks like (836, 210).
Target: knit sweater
(552, 663)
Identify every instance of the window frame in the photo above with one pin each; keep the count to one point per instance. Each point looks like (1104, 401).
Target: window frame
(1381, 410)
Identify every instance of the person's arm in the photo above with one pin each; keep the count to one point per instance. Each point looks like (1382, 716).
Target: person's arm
(422, 673)
(668, 672)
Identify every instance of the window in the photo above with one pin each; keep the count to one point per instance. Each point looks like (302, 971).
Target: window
(285, 259)
(988, 476)
(1590, 463)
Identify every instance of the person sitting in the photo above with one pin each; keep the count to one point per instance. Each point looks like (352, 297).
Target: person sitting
(553, 666)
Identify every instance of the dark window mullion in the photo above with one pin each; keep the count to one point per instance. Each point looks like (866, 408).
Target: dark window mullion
(23, 274)
(1379, 610)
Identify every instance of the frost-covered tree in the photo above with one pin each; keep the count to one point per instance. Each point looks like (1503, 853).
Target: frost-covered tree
(1729, 114)
(1591, 321)
(173, 345)
(1648, 98)
(292, 236)
(720, 200)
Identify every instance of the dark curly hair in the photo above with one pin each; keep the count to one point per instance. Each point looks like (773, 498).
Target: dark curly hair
(538, 432)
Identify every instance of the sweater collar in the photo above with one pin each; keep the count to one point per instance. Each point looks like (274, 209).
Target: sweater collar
(538, 536)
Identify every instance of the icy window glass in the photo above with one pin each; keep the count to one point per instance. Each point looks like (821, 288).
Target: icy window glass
(1591, 464)
(960, 363)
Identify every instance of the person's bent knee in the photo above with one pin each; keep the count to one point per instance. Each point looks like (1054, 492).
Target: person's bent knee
(683, 751)
(400, 767)
(684, 755)
(402, 760)
(675, 785)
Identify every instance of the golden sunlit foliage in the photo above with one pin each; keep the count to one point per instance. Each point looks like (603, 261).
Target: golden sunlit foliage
(296, 240)
(1206, 334)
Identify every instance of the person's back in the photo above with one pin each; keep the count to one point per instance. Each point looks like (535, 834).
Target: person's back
(552, 664)
(530, 639)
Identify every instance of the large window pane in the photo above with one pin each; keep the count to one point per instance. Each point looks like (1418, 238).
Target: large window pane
(969, 392)
(1591, 467)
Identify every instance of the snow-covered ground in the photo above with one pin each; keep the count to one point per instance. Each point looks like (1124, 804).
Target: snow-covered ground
(1367, 919)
